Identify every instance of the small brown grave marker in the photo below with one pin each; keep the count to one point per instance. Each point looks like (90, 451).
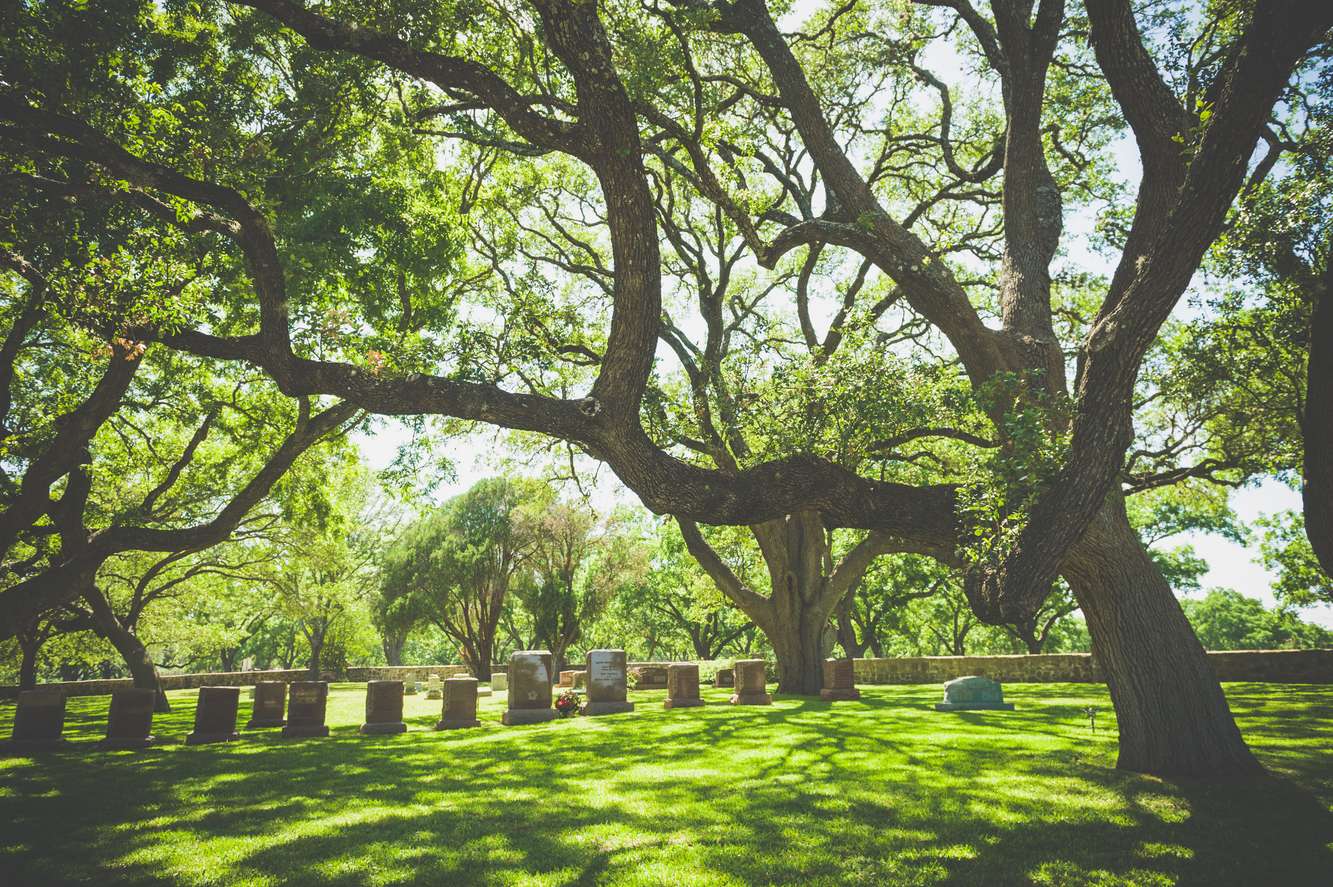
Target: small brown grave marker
(306, 703)
(215, 716)
(839, 680)
(39, 720)
(682, 686)
(270, 705)
(129, 724)
(384, 708)
(751, 683)
(460, 704)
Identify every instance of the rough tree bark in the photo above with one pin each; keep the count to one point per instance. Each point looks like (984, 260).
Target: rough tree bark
(1174, 721)
(393, 643)
(1317, 423)
(315, 635)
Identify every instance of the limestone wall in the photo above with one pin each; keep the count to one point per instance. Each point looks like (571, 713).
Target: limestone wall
(404, 672)
(170, 682)
(1277, 666)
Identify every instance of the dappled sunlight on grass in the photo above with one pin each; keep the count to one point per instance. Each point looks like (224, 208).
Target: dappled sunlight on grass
(881, 790)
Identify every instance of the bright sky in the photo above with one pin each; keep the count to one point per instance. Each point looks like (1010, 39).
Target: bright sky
(1231, 565)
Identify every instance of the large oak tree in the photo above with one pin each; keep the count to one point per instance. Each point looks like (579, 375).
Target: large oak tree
(623, 90)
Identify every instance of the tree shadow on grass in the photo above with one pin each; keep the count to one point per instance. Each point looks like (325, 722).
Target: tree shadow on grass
(882, 791)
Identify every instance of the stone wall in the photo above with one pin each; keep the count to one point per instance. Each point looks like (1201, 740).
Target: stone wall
(170, 682)
(1277, 666)
(404, 672)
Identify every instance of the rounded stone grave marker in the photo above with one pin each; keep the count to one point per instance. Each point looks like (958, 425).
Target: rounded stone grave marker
(607, 688)
(306, 703)
(682, 686)
(839, 680)
(384, 708)
(973, 693)
(751, 683)
(39, 719)
(529, 688)
(460, 704)
(725, 677)
(129, 724)
(215, 716)
(270, 705)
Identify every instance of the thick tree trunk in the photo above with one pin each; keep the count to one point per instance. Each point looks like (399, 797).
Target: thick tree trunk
(698, 640)
(1317, 427)
(28, 667)
(806, 586)
(1174, 720)
(798, 647)
(558, 650)
(316, 649)
(477, 656)
(393, 648)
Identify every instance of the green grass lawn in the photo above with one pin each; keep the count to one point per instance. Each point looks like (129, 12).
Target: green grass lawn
(882, 791)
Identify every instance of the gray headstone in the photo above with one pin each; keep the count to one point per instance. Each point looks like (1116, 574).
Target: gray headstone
(129, 723)
(529, 688)
(973, 693)
(607, 691)
(306, 704)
